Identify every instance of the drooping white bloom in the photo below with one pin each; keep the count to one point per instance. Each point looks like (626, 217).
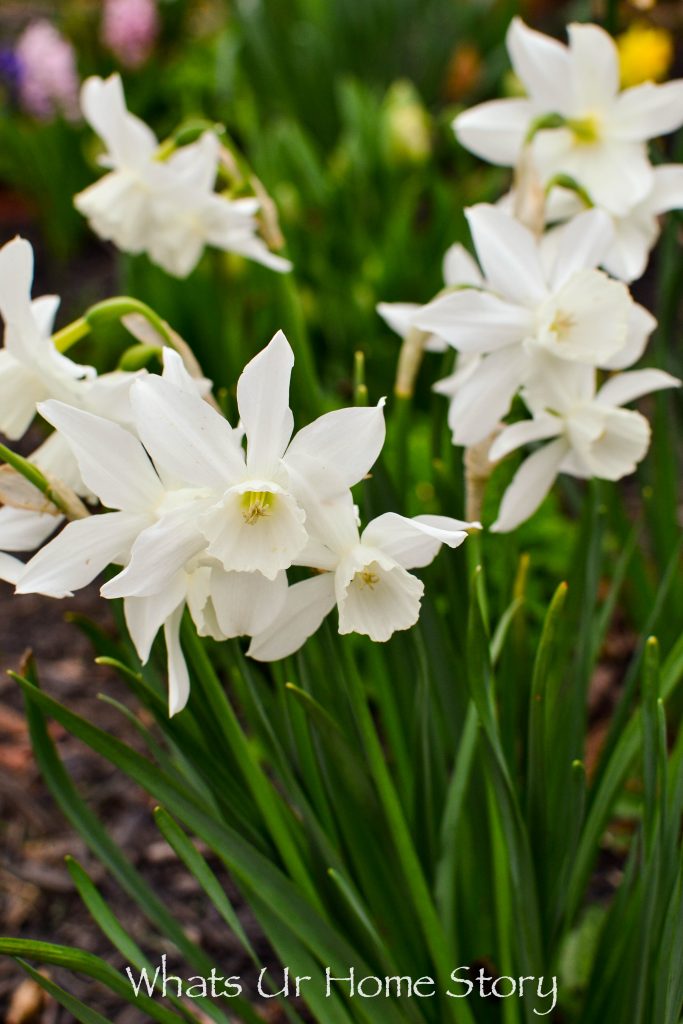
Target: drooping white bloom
(189, 215)
(116, 467)
(119, 207)
(31, 368)
(167, 208)
(222, 605)
(590, 434)
(602, 140)
(365, 575)
(459, 270)
(125, 481)
(538, 297)
(637, 230)
(22, 530)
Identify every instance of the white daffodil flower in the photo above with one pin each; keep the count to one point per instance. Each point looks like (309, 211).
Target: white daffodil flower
(255, 515)
(590, 435)
(222, 605)
(365, 575)
(152, 509)
(196, 520)
(22, 530)
(637, 230)
(31, 368)
(157, 525)
(459, 270)
(115, 466)
(120, 206)
(167, 208)
(189, 215)
(602, 142)
(124, 480)
(538, 297)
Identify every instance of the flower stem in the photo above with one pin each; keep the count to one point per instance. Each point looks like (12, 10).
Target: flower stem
(62, 498)
(360, 388)
(400, 449)
(566, 181)
(543, 122)
(68, 336)
(116, 308)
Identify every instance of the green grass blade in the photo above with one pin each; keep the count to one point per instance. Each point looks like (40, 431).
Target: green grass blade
(76, 1008)
(121, 940)
(244, 860)
(195, 863)
(80, 962)
(100, 842)
(445, 873)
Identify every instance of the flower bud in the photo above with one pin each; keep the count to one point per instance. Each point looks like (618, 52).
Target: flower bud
(407, 125)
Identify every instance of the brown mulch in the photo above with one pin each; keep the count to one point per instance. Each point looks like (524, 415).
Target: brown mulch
(37, 897)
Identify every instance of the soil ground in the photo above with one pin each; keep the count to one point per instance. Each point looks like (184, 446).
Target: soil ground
(37, 897)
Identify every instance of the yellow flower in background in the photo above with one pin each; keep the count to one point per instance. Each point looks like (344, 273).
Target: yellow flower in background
(645, 54)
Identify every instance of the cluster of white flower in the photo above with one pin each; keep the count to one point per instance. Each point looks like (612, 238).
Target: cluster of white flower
(165, 207)
(536, 317)
(32, 370)
(200, 514)
(580, 126)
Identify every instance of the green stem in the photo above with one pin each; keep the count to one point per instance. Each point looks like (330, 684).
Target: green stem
(503, 903)
(566, 181)
(400, 451)
(360, 389)
(69, 504)
(193, 129)
(120, 306)
(543, 122)
(68, 336)
(103, 313)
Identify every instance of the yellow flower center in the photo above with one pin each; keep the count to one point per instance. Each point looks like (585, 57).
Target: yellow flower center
(562, 324)
(256, 505)
(586, 130)
(367, 579)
